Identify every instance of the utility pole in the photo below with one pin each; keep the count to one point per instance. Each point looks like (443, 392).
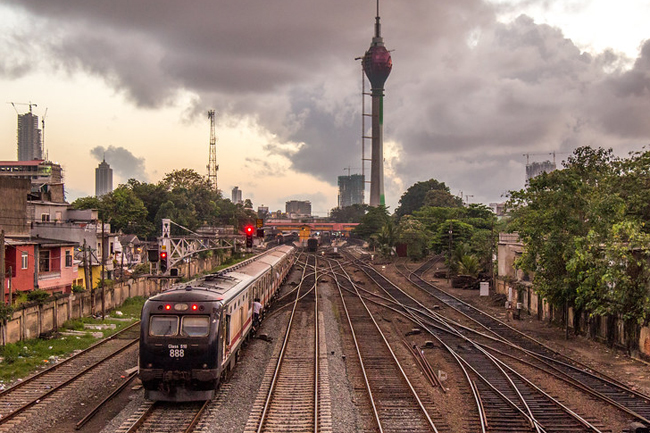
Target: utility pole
(103, 277)
(451, 230)
(2, 265)
(88, 279)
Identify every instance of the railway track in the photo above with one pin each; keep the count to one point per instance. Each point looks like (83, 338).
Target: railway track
(508, 401)
(395, 403)
(162, 417)
(572, 372)
(294, 396)
(18, 402)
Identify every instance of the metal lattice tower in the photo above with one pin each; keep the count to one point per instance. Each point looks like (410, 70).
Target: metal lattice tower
(213, 168)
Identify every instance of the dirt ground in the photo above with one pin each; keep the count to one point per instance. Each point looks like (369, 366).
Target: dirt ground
(610, 361)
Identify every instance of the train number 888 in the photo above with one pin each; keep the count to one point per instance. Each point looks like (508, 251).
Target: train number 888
(176, 353)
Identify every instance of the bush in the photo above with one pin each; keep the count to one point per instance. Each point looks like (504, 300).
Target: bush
(77, 288)
(5, 312)
(40, 296)
(141, 269)
(105, 283)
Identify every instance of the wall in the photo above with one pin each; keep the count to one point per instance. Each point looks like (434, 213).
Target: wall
(610, 330)
(34, 320)
(12, 206)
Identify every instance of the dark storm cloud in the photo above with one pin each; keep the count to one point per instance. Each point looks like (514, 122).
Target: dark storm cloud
(122, 161)
(467, 96)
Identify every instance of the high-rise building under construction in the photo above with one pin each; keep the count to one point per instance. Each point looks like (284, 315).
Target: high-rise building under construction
(30, 145)
(351, 190)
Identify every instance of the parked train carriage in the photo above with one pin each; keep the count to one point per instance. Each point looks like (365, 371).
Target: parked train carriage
(190, 335)
(312, 244)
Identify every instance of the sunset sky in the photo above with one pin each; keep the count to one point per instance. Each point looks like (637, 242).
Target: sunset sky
(475, 85)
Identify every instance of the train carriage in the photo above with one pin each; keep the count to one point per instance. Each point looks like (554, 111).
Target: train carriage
(191, 334)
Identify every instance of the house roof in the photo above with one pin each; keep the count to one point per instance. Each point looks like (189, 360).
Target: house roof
(36, 240)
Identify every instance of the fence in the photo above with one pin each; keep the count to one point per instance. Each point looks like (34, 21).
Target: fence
(33, 320)
(611, 330)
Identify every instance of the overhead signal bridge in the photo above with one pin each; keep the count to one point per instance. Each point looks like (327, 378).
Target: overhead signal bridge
(179, 248)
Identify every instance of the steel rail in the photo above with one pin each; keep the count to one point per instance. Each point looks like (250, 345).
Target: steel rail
(397, 363)
(276, 372)
(52, 390)
(68, 360)
(579, 368)
(495, 361)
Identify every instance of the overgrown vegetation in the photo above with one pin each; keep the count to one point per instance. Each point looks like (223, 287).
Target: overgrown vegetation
(430, 219)
(586, 233)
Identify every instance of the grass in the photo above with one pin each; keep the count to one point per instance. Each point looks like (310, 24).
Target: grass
(25, 357)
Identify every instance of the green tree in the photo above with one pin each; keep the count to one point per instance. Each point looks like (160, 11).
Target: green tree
(414, 197)
(553, 212)
(412, 232)
(372, 222)
(91, 202)
(385, 238)
(349, 214)
(125, 211)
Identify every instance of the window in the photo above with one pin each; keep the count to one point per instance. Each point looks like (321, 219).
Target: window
(45, 217)
(68, 259)
(25, 260)
(44, 261)
(163, 326)
(195, 326)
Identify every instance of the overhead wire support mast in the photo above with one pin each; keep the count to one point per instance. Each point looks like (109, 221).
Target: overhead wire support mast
(213, 168)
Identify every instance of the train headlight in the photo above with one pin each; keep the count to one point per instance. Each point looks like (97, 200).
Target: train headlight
(180, 307)
(205, 365)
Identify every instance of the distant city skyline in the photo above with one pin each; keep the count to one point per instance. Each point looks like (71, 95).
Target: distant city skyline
(476, 85)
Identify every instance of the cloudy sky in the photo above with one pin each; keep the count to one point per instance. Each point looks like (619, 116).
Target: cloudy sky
(475, 85)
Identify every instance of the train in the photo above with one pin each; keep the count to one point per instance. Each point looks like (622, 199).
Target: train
(286, 238)
(191, 335)
(312, 244)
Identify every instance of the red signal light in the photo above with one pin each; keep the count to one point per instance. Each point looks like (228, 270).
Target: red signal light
(163, 255)
(249, 230)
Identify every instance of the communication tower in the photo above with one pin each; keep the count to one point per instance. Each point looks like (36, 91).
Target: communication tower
(377, 64)
(212, 162)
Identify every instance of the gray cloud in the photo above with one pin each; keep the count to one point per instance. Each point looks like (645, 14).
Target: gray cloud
(122, 161)
(467, 96)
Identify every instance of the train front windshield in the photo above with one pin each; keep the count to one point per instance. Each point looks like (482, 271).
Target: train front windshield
(163, 326)
(190, 326)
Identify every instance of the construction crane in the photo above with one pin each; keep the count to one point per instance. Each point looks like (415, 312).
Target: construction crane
(43, 134)
(212, 161)
(13, 104)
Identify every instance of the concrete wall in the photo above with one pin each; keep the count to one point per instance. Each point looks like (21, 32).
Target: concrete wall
(13, 204)
(611, 330)
(34, 320)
